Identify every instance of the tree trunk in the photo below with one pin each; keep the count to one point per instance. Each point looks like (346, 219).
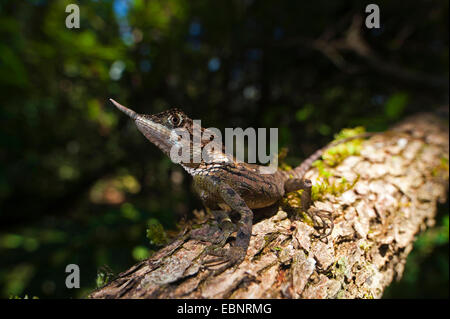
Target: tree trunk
(398, 179)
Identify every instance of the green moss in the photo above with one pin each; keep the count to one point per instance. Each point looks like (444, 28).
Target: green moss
(442, 169)
(155, 233)
(292, 200)
(335, 155)
(104, 275)
(307, 219)
(368, 295)
(444, 163)
(322, 168)
(141, 252)
(335, 188)
(365, 245)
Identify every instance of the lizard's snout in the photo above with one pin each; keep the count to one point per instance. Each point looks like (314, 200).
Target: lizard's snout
(125, 110)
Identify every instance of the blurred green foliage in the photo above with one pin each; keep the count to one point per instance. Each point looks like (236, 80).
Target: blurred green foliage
(79, 184)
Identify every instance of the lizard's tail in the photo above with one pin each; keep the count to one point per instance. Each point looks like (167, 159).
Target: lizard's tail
(301, 170)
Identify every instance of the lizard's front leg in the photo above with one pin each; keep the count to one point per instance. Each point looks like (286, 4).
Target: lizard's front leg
(235, 254)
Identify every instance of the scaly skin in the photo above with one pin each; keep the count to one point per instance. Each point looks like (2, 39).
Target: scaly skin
(226, 185)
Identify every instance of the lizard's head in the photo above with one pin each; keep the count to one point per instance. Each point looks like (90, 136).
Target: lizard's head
(162, 129)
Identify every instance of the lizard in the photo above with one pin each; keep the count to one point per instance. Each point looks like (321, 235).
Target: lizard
(225, 185)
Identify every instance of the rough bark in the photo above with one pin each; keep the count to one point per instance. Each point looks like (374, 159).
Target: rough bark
(399, 181)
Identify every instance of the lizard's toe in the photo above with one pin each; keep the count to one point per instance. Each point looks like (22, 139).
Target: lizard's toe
(207, 233)
(230, 256)
(323, 222)
(215, 234)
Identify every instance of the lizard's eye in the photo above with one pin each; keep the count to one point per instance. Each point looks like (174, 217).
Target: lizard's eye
(175, 119)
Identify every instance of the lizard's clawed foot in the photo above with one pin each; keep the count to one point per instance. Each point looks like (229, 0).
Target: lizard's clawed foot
(218, 235)
(229, 256)
(213, 233)
(323, 222)
(208, 233)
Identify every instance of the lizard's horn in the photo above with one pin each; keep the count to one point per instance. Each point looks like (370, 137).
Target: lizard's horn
(125, 110)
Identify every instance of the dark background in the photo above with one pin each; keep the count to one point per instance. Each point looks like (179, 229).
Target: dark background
(78, 182)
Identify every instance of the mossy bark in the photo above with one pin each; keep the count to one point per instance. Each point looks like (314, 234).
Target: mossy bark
(400, 177)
